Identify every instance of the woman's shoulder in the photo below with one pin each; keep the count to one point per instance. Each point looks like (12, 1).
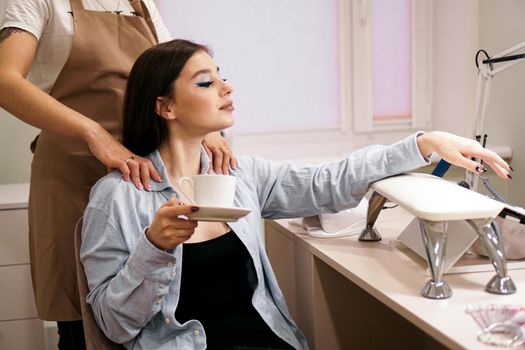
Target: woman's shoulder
(111, 188)
(246, 165)
(29, 15)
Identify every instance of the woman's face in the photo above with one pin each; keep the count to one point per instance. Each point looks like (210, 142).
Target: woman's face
(202, 100)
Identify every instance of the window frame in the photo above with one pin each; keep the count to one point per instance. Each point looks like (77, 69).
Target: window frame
(422, 67)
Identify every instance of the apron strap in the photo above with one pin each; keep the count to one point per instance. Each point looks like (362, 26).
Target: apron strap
(76, 5)
(142, 10)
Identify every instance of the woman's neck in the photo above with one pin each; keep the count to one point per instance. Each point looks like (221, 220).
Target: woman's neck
(181, 157)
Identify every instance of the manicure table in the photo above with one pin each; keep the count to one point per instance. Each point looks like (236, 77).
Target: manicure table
(344, 293)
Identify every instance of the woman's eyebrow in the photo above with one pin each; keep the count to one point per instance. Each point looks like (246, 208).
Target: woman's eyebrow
(203, 71)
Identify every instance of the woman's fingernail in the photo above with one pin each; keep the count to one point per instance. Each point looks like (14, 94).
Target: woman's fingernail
(481, 169)
(510, 177)
(194, 208)
(180, 203)
(148, 188)
(511, 168)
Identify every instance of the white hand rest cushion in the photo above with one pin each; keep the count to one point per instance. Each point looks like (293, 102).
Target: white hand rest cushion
(432, 198)
(345, 219)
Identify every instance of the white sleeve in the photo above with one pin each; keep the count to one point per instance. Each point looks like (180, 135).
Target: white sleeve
(29, 15)
(163, 33)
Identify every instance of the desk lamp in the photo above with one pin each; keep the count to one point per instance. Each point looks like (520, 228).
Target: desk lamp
(486, 71)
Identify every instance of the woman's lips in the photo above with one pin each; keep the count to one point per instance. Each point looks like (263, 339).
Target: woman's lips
(228, 107)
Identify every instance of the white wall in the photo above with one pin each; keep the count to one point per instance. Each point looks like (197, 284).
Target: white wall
(502, 26)
(455, 43)
(15, 157)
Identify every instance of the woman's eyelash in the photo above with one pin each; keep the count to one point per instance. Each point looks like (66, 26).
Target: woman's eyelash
(207, 83)
(204, 83)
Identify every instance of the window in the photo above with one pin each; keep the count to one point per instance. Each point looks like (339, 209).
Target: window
(303, 71)
(392, 64)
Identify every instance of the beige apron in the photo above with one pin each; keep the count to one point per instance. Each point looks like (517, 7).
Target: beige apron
(92, 82)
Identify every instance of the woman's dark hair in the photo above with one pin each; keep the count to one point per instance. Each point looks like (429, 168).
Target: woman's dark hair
(152, 75)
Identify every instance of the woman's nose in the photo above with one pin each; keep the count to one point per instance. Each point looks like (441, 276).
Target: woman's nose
(226, 89)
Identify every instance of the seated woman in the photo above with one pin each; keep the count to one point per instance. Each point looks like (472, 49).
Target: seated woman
(160, 281)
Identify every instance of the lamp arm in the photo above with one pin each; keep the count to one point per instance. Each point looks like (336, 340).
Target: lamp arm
(505, 56)
(510, 50)
(482, 98)
(503, 59)
(508, 65)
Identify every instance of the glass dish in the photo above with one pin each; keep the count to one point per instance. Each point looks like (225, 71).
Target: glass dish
(501, 325)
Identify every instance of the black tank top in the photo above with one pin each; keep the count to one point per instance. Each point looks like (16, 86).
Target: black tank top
(217, 284)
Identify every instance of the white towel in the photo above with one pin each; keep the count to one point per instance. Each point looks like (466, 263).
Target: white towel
(312, 226)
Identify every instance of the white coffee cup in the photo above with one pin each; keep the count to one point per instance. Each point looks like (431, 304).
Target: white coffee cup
(210, 190)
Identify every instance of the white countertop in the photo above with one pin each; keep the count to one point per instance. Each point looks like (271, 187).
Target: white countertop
(396, 279)
(14, 196)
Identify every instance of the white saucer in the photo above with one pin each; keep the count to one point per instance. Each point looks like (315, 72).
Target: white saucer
(225, 214)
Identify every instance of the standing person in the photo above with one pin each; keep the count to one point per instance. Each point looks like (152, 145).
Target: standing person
(78, 55)
(159, 281)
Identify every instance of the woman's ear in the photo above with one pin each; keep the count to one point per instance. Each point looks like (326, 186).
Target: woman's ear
(163, 107)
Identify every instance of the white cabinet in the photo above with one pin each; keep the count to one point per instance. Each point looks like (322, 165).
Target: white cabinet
(19, 326)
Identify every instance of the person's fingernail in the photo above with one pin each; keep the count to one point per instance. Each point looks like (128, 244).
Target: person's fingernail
(511, 168)
(180, 203)
(510, 177)
(148, 188)
(481, 169)
(141, 187)
(194, 208)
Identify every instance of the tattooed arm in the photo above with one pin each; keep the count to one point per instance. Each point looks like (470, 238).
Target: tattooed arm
(6, 32)
(23, 99)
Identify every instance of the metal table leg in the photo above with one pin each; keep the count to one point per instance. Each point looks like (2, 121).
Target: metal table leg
(501, 283)
(434, 235)
(375, 204)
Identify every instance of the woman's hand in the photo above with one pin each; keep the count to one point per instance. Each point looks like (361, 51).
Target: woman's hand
(459, 151)
(115, 156)
(168, 230)
(220, 153)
